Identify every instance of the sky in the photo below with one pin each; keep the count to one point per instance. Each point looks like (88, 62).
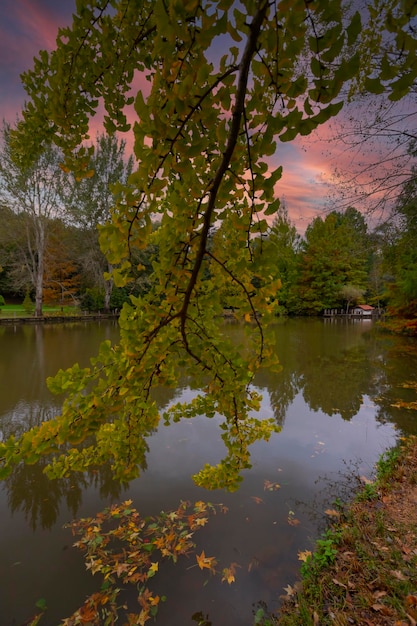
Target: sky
(27, 26)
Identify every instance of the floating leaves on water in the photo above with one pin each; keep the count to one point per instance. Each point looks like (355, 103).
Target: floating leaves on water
(292, 520)
(271, 486)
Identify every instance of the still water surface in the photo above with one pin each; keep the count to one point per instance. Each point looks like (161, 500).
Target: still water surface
(333, 400)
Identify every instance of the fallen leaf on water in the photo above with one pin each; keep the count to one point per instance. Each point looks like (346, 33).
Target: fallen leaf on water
(204, 561)
(257, 500)
(291, 519)
(366, 480)
(270, 486)
(304, 555)
(290, 590)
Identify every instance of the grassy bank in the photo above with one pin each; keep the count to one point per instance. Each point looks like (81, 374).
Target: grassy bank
(364, 568)
(18, 310)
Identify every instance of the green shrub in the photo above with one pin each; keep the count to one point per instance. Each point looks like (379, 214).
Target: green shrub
(28, 304)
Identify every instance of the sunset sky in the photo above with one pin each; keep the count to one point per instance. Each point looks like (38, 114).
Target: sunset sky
(26, 26)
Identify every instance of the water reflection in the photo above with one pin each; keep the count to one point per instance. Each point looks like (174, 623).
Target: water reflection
(334, 367)
(334, 399)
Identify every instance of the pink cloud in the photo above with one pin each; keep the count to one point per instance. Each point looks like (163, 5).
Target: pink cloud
(26, 27)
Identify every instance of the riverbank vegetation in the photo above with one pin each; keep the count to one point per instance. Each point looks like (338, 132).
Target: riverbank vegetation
(339, 263)
(363, 570)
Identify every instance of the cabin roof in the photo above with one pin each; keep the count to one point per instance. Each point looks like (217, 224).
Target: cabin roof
(364, 307)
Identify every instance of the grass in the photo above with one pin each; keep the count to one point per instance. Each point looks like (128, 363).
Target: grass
(17, 310)
(364, 569)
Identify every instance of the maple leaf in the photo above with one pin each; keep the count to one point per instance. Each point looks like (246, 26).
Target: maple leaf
(153, 569)
(228, 573)
(304, 556)
(290, 590)
(154, 600)
(206, 562)
(227, 576)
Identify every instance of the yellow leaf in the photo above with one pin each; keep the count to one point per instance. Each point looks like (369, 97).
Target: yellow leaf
(153, 601)
(205, 562)
(290, 590)
(228, 576)
(304, 556)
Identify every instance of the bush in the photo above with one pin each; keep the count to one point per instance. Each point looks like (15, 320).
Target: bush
(92, 300)
(2, 302)
(28, 304)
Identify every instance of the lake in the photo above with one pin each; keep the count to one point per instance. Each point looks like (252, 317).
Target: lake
(334, 400)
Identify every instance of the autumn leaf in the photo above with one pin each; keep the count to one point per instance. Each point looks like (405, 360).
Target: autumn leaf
(398, 575)
(227, 576)
(153, 569)
(206, 562)
(291, 519)
(381, 608)
(257, 500)
(228, 573)
(87, 614)
(289, 590)
(270, 486)
(304, 555)
(366, 481)
(332, 513)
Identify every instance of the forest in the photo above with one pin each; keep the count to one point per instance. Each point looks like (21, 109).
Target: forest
(50, 250)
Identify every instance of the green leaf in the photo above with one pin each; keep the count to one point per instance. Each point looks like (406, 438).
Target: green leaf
(354, 29)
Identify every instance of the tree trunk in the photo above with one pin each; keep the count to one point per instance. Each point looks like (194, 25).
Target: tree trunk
(108, 289)
(39, 266)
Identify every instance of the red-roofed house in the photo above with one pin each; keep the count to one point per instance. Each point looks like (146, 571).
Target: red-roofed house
(362, 309)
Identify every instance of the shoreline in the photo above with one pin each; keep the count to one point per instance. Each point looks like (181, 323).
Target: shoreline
(363, 570)
(53, 319)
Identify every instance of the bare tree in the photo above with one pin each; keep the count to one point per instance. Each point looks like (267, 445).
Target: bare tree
(35, 194)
